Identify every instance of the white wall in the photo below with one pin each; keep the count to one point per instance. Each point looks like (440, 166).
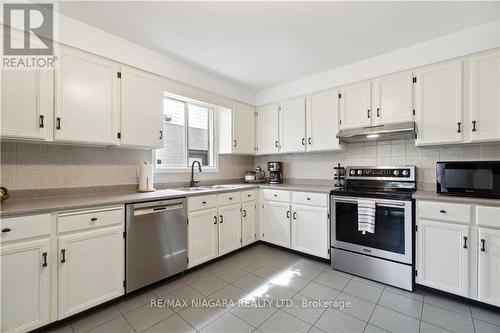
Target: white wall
(86, 37)
(483, 37)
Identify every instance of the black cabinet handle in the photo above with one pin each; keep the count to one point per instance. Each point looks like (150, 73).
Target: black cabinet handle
(44, 255)
(41, 124)
(204, 202)
(442, 211)
(249, 195)
(303, 141)
(308, 199)
(93, 219)
(244, 213)
(58, 123)
(309, 140)
(474, 126)
(465, 242)
(482, 245)
(230, 198)
(369, 113)
(275, 195)
(294, 215)
(459, 130)
(215, 219)
(378, 112)
(221, 218)
(63, 255)
(161, 134)
(276, 144)
(235, 143)
(6, 230)
(287, 214)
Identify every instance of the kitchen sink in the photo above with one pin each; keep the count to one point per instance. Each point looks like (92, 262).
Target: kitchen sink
(190, 189)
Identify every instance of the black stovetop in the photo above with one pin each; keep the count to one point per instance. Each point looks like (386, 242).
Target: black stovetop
(382, 193)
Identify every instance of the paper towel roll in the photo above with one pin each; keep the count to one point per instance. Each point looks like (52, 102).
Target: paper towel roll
(146, 177)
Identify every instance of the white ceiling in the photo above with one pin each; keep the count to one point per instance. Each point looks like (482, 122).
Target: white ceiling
(262, 44)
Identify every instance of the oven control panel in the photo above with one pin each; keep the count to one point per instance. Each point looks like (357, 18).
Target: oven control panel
(402, 172)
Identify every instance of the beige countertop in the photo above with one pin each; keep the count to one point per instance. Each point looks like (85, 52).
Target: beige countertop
(433, 195)
(13, 207)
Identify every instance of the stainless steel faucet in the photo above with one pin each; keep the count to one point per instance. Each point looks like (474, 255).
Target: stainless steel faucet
(194, 183)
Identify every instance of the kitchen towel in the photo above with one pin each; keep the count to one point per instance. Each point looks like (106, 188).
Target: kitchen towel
(366, 216)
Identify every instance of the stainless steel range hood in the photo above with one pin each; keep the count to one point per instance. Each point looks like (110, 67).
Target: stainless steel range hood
(395, 131)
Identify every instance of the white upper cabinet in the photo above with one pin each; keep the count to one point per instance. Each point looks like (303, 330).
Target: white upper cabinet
(322, 119)
(87, 98)
(392, 99)
(438, 101)
(268, 130)
(355, 109)
(141, 112)
(27, 104)
(243, 128)
(293, 125)
(484, 71)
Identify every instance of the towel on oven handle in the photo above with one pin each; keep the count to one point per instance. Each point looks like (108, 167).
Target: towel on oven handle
(366, 216)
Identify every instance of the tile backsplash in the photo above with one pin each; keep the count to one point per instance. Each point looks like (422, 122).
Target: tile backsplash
(36, 165)
(396, 152)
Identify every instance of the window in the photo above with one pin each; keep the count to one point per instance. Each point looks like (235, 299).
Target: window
(188, 128)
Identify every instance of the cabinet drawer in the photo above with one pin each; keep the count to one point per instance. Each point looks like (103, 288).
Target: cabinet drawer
(488, 216)
(444, 211)
(202, 202)
(249, 195)
(16, 228)
(276, 195)
(228, 198)
(312, 199)
(89, 219)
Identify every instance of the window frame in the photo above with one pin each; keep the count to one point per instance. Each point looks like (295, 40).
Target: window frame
(212, 132)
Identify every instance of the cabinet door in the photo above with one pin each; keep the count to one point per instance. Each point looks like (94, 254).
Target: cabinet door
(489, 266)
(267, 129)
(310, 230)
(141, 112)
(91, 269)
(293, 125)
(243, 128)
(25, 286)
(229, 228)
(393, 99)
(276, 223)
(248, 222)
(27, 104)
(355, 110)
(202, 236)
(485, 96)
(442, 259)
(87, 91)
(438, 103)
(322, 119)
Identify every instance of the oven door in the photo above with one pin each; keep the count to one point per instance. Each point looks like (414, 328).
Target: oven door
(392, 238)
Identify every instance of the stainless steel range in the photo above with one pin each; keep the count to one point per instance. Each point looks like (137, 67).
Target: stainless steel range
(386, 255)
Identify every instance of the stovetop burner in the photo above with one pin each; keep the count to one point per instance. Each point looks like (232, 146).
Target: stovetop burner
(398, 183)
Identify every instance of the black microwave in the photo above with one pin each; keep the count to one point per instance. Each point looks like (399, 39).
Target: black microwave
(474, 179)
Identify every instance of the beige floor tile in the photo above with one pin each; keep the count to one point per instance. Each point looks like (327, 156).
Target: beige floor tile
(95, 319)
(173, 324)
(146, 316)
(118, 325)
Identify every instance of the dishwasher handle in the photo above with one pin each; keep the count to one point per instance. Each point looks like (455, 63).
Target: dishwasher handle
(158, 209)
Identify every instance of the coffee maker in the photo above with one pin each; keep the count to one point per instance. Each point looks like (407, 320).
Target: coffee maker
(275, 176)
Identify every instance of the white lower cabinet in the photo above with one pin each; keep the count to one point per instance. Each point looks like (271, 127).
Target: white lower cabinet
(91, 269)
(248, 222)
(229, 228)
(202, 236)
(489, 266)
(310, 230)
(25, 285)
(276, 223)
(442, 256)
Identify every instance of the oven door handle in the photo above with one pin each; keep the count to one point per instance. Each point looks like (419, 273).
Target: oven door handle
(382, 203)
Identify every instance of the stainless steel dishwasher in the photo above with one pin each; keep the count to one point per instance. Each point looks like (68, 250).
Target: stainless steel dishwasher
(156, 241)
